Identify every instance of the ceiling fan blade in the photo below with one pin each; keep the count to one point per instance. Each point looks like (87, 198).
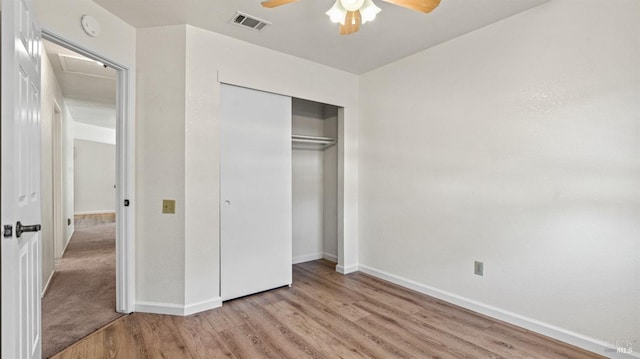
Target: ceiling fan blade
(351, 23)
(276, 3)
(425, 6)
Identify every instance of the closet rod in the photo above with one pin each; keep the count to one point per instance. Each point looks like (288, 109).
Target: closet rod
(310, 142)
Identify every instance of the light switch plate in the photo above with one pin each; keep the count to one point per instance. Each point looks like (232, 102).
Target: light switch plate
(168, 206)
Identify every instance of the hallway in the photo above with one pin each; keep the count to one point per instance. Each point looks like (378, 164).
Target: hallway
(82, 296)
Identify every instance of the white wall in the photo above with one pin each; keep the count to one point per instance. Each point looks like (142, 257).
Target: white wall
(49, 91)
(330, 210)
(308, 190)
(307, 118)
(51, 95)
(83, 131)
(67, 180)
(94, 167)
(94, 177)
(307, 168)
(160, 159)
(95, 113)
(117, 40)
(516, 145)
(177, 145)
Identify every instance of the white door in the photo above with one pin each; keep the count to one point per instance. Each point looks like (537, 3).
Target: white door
(20, 177)
(255, 190)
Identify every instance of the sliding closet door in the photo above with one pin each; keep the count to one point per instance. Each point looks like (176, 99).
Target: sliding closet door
(255, 190)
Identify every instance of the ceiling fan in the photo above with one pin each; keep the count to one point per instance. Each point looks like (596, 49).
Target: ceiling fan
(352, 13)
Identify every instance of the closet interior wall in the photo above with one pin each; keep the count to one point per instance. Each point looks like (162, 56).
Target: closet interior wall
(315, 183)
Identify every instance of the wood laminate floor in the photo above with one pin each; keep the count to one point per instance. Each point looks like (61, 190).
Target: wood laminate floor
(324, 315)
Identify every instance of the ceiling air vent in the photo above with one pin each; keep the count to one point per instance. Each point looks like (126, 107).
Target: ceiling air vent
(249, 22)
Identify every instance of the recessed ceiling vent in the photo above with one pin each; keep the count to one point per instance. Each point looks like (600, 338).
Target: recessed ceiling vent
(249, 22)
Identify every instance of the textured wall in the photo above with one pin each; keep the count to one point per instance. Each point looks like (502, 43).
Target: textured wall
(94, 177)
(177, 257)
(516, 145)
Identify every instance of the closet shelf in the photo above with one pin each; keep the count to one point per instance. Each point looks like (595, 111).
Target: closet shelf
(312, 142)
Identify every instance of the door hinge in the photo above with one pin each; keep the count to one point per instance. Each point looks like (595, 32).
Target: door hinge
(126, 203)
(8, 231)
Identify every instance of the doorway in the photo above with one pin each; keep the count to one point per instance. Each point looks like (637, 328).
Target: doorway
(88, 172)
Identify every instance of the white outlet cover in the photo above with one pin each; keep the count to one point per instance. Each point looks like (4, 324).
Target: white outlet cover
(90, 25)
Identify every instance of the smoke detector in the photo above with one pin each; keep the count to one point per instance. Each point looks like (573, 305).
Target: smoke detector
(249, 21)
(90, 25)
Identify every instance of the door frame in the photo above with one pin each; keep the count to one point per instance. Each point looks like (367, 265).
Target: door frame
(125, 174)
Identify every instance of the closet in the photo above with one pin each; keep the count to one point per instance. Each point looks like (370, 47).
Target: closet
(278, 188)
(315, 180)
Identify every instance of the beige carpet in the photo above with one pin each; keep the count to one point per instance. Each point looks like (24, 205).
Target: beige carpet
(82, 295)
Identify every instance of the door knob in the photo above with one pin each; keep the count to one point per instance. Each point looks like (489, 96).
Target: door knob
(20, 228)
(227, 203)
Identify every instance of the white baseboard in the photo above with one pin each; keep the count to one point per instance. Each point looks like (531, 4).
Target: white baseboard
(203, 306)
(104, 211)
(315, 256)
(159, 308)
(346, 270)
(46, 285)
(66, 244)
(307, 258)
(330, 257)
(567, 336)
(177, 309)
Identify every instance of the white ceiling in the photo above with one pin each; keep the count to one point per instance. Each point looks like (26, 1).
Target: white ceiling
(302, 29)
(89, 89)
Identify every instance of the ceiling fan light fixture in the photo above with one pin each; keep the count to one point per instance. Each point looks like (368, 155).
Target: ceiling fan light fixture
(352, 5)
(358, 12)
(337, 13)
(369, 10)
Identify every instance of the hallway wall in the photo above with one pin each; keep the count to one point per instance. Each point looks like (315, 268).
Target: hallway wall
(94, 177)
(51, 93)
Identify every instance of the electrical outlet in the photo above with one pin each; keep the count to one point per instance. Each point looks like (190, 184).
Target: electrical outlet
(168, 206)
(478, 268)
